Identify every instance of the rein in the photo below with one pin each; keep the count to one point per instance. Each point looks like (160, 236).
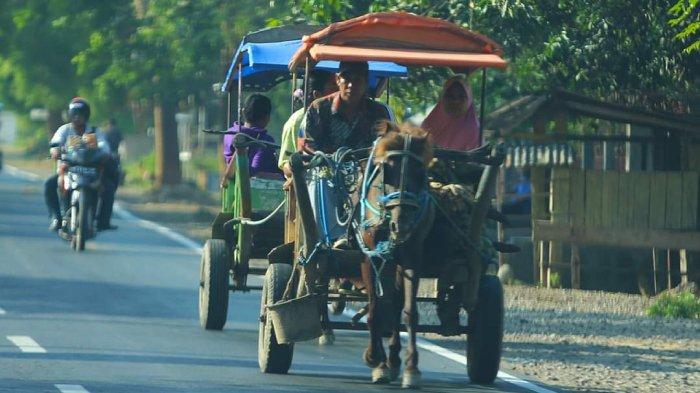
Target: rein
(383, 251)
(396, 198)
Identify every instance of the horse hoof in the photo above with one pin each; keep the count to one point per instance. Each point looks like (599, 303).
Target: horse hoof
(381, 374)
(327, 338)
(411, 379)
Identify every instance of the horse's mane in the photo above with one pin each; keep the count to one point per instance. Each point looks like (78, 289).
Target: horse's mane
(392, 138)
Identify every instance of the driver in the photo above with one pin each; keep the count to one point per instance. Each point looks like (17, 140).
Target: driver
(346, 118)
(79, 114)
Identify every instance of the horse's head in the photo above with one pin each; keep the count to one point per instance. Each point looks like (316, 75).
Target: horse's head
(398, 185)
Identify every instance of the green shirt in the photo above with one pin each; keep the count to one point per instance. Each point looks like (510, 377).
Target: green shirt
(289, 136)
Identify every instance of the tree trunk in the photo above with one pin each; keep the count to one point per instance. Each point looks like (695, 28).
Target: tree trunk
(166, 145)
(53, 121)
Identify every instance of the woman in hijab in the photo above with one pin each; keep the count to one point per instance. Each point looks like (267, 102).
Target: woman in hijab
(452, 123)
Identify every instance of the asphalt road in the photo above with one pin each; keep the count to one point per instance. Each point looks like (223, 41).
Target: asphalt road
(122, 317)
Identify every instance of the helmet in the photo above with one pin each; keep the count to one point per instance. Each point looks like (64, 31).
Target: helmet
(78, 106)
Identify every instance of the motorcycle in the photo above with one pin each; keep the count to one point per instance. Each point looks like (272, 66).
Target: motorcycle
(80, 188)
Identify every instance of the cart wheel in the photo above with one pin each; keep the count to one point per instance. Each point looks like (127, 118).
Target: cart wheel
(272, 357)
(213, 284)
(486, 332)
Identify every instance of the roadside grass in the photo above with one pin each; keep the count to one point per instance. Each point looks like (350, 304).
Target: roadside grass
(676, 305)
(140, 173)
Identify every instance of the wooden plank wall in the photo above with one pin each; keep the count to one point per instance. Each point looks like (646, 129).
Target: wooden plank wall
(636, 200)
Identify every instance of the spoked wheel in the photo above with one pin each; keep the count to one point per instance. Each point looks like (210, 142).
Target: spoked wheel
(213, 285)
(273, 358)
(486, 332)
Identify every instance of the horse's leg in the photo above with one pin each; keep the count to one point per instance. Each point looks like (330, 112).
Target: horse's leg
(394, 362)
(374, 355)
(411, 375)
(327, 336)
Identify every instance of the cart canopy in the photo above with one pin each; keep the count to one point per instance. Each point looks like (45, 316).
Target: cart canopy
(265, 60)
(402, 38)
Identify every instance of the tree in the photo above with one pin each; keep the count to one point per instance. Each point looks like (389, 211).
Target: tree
(687, 15)
(163, 52)
(38, 38)
(596, 48)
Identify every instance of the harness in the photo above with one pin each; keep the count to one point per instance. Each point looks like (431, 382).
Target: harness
(380, 216)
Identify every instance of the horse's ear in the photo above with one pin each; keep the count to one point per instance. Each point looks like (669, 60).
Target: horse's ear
(385, 126)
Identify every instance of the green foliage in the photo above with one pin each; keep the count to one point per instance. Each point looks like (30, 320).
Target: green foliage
(679, 305)
(207, 162)
(554, 280)
(686, 16)
(38, 38)
(595, 48)
(140, 173)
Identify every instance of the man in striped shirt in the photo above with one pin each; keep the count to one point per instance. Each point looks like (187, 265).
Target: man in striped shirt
(345, 118)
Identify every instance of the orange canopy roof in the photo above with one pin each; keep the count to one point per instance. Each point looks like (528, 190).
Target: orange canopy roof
(403, 38)
(406, 56)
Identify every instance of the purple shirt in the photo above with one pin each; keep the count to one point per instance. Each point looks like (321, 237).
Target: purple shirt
(262, 158)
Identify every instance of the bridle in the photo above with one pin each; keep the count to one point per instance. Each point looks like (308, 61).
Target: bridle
(384, 250)
(400, 197)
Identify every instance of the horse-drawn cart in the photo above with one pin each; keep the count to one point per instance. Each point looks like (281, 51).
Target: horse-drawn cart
(296, 288)
(386, 249)
(247, 226)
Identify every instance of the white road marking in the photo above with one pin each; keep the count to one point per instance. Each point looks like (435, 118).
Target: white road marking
(2, 312)
(14, 171)
(167, 232)
(26, 344)
(71, 389)
(461, 359)
(421, 342)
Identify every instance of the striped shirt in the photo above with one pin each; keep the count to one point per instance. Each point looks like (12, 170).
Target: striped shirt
(326, 128)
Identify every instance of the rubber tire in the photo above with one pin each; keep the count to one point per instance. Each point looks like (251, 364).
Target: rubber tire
(83, 225)
(484, 343)
(273, 358)
(213, 284)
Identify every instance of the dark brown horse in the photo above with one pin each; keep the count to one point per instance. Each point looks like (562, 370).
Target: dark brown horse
(395, 217)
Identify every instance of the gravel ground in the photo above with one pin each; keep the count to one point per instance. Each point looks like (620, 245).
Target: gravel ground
(579, 341)
(587, 341)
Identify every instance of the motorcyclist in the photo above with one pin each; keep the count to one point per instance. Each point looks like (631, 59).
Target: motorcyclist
(112, 171)
(78, 114)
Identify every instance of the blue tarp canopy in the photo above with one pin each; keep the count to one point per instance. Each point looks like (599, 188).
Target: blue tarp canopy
(265, 65)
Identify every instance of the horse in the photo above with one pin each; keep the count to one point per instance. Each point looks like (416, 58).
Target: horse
(395, 216)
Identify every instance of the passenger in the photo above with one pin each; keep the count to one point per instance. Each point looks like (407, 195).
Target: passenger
(262, 158)
(452, 123)
(321, 84)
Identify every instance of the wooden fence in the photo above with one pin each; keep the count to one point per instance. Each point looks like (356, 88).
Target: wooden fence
(656, 210)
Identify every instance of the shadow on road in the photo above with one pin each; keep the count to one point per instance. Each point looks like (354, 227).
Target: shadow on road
(58, 296)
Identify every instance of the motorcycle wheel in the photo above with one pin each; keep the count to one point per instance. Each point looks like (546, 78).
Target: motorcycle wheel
(83, 228)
